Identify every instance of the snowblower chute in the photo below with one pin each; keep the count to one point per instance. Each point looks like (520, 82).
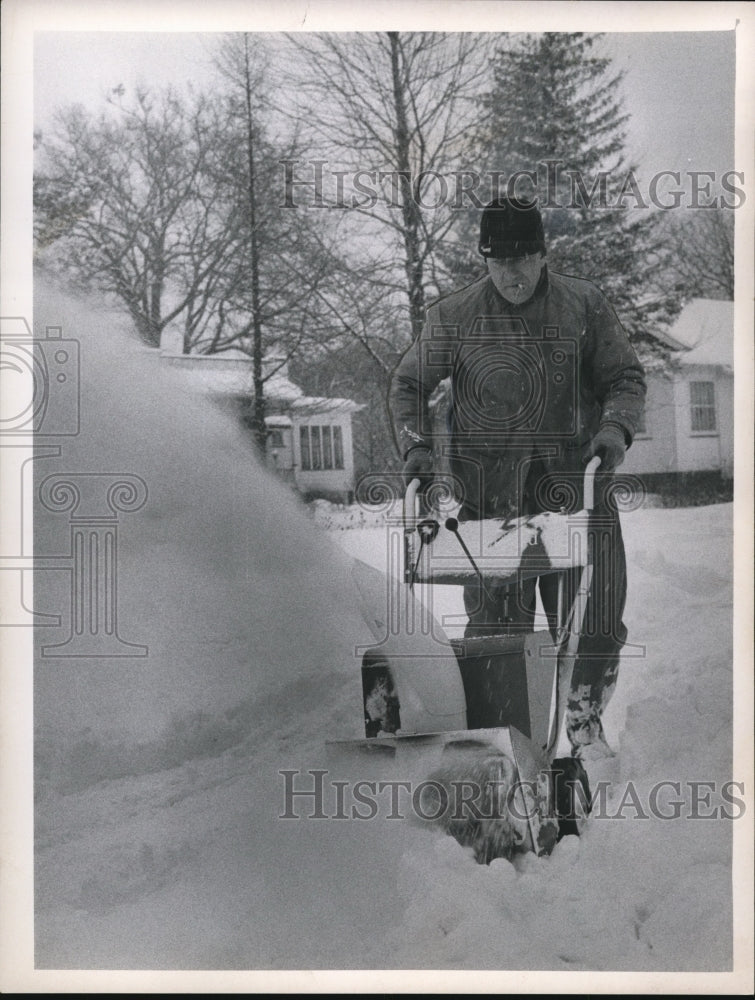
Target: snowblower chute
(483, 714)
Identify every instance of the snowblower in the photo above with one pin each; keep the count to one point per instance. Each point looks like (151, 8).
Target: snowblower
(478, 718)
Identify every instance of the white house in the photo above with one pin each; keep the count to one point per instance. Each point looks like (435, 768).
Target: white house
(309, 439)
(689, 414)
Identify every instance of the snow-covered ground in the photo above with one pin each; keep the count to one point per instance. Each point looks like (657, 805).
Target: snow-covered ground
(158, 788)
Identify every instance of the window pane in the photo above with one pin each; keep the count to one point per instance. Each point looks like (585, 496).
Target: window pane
(702, 393)
(703, 419)
(642, 427)
(327, 450)
(337, 448)
(703, 406)
(304, 441)
(316, 453)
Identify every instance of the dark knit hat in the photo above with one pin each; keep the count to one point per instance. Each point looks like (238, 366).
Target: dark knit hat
(511, 227)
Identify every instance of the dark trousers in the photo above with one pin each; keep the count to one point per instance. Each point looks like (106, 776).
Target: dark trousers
(495, 608)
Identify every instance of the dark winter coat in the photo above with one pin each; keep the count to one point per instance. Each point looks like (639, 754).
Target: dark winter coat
(529, 383)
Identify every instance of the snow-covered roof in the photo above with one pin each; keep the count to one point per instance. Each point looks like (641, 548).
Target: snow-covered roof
(278, 420)
(704, 330)
(230, 374)
(234, 354)
(326, 404)
(223, 383)
(282, 388)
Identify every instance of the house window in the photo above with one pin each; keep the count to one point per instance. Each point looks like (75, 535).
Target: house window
(321, 447)
(703, 406)
(642, 425)
(314, 433)
(306, 462)
(337, 448)
(327, 449)
(275, 439)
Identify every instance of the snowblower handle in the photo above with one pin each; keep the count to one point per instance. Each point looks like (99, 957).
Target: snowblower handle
(410, 497)
(410, 504)
(589, 488)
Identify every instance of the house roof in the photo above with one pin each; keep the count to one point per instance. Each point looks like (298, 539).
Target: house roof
(704, 333)
(325, 404)
(230, 374)
(278, 420)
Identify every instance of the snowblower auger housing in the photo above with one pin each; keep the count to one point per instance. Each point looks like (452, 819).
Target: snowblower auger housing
(491, 707)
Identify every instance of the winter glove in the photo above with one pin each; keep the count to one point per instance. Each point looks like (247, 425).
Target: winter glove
(418, 464)
(610, 444)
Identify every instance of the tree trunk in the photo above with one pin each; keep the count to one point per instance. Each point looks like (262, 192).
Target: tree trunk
(258, 417)
(410, 209)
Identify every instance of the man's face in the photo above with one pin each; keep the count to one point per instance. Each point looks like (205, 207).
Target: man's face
(516, 277)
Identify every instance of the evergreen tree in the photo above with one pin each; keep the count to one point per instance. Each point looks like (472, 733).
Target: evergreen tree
(554, 130)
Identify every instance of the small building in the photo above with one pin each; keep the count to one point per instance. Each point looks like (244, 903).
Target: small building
(689, 413)
(322, 446)
(309, 438)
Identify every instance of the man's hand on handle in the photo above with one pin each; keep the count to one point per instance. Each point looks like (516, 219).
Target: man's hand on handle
(418, 464)
(609, 444)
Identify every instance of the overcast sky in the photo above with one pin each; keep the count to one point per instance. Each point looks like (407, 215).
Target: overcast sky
(679, 86)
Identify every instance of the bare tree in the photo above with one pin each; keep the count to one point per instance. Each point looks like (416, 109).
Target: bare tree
(126, 202)
(272, 301)
(244, 69)
(387, 117)
(164, 201)
(701, 253)
(393, 108)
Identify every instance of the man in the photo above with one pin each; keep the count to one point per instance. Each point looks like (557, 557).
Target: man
(542, 378)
